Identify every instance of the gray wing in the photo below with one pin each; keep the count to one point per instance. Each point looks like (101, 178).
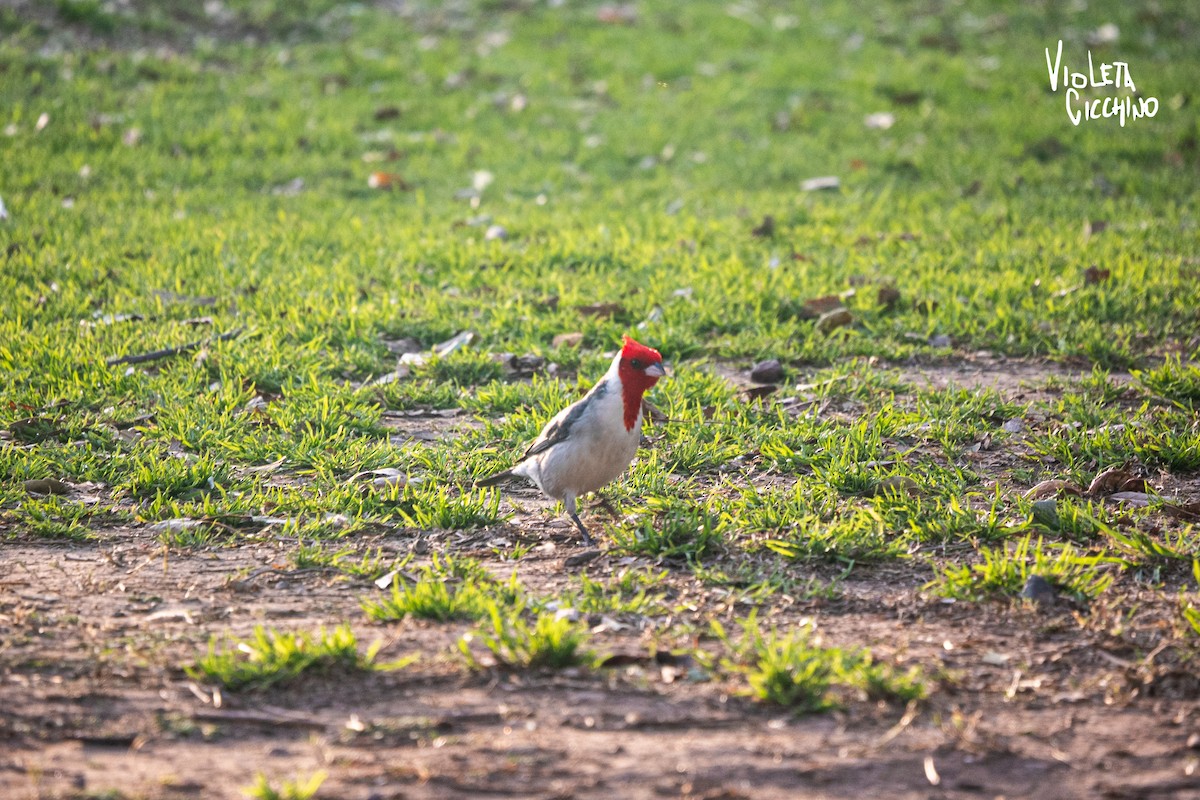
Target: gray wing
(559, 429)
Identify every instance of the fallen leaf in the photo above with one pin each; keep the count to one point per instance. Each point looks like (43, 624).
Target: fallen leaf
(579, 559)
(1137, 499)
(880, 121)
(888, 296)
(834, 319)
(387, 180)
(268, 468)
(455, 342)
(171, 298)
(764, 229)
(656, 315)
(814, 307)
(46, 486)
(824, 182)
(896, 484)
(290, 189)
(178, 524)
(1108, 33)
(573, 339)
(1115, 479)
(99, 319)
(941, 41)
(33, 429)
(528, 363)
(1185, 511)
(1053, 488)
(601, 310)
(401, 372)
(384, 478)
(1045, 150)
(759, 392)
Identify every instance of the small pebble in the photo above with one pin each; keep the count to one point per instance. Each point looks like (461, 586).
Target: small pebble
(1039, 590)
(769, 371)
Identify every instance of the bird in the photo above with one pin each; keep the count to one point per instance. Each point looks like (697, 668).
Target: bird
(590, 442)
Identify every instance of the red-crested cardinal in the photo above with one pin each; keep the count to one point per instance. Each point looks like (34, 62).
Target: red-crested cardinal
(591, 441)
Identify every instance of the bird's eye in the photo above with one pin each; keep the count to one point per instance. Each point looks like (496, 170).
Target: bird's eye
(636, 363)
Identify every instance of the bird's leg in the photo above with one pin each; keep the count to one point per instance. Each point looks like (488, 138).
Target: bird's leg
(606, 504)
(569, 503)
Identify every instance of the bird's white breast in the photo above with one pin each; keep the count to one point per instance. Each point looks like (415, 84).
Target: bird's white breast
(598, 449)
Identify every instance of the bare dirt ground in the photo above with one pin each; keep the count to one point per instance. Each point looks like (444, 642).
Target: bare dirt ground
(1032, 702)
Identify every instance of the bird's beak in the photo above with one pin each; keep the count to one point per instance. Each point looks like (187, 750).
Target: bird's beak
(656, 371)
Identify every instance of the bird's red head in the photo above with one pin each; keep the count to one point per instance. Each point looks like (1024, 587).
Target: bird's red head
(639, 368)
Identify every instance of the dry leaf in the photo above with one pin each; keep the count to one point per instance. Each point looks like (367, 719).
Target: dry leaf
(814, 307)
(880, 121)
(601, 310)
(766, 228)
(387, 180)
(1185, 511)
(1138, 499)
(46, 486)
(834, 319)
(821, 183)
(621, 14)
(573, 339)
(896, 484)
(456, 342)
(888, 297)
(267, 468)
(759, 392)
(1115, 479)
(1053, 488)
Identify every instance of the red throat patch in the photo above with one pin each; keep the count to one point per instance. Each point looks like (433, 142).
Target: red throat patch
(636, 358)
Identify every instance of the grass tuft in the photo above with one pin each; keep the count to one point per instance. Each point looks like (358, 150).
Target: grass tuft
(270, 658)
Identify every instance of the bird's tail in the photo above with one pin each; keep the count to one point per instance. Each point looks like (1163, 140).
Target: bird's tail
(492, 480)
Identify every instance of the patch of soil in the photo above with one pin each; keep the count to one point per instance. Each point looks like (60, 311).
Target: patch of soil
(1056, 701)
(93, 698)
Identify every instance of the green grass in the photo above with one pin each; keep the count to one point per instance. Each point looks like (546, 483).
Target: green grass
(630, 167)
(262, 789)
(549, 641)
(449, 588)
(271, 658)
(1005, 570)
(793, 671)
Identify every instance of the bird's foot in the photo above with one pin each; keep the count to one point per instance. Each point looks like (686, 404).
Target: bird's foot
(587, 537)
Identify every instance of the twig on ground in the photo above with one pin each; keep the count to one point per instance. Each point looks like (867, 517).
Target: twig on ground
(168, 352)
